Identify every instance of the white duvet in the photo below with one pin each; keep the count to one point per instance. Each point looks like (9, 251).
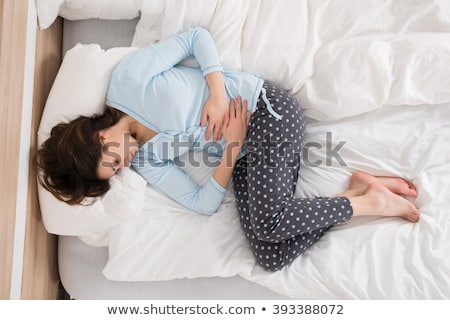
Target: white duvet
(378, 72)
(338, 57)
(374, 79)
(367, 258)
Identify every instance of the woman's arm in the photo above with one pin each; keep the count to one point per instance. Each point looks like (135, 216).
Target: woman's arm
(141, 65)
(137, 68)
(179, 186)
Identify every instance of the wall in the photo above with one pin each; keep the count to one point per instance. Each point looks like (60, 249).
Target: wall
(12, 56)
(27, 253)
(40, 275)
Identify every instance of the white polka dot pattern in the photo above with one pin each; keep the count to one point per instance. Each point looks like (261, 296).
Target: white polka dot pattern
(278, 226)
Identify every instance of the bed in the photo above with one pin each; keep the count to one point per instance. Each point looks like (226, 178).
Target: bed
(372, 77)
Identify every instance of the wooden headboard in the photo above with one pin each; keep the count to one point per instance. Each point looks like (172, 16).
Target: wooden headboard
(38, 268)
(40, 275)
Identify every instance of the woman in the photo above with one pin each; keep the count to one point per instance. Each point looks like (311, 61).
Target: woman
(159, 110)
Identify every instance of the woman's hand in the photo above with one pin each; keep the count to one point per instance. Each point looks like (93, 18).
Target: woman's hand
(235, 130)
(215, 112)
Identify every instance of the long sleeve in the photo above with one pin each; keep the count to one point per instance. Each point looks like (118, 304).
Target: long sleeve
(149, 85)
(179, 186)
(195, 42)
(152, 60)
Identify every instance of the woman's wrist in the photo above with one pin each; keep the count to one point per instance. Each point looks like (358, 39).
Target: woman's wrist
(224, 171)
(216, 84)
(232, 150)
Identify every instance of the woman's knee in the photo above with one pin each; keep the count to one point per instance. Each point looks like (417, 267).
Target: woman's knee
(273, 263)
(271, 267)
(265, 229)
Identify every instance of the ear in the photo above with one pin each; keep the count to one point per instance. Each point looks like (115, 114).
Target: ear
(104, 135)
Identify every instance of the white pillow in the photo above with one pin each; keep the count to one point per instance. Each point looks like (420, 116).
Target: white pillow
(80, 89)
(48, 10)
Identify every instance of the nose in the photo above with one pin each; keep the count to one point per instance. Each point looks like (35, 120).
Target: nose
(126, 162)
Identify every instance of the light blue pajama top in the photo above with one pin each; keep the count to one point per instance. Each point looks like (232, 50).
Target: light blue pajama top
(150, 86)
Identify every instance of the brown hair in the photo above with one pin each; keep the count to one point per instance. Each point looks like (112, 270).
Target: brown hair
(67, 161)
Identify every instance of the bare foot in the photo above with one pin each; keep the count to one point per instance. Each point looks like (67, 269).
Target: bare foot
(361, 180)
(387, 203)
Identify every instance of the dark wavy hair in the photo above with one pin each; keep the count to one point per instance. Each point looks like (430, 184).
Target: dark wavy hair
(67, 162)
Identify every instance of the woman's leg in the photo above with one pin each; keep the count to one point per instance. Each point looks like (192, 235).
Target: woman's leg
(272, 256)
(360, 181)
(278, 226)
(273, 160)
(379, 200)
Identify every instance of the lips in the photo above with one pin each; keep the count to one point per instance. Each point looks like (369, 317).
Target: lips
(127, 160)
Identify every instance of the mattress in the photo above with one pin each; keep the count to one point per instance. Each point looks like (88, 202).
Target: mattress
(106, 33)
(81, 266)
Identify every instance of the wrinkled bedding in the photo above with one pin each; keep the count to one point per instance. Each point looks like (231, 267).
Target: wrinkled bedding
(367, 258)
(373, 78)
(339, 58)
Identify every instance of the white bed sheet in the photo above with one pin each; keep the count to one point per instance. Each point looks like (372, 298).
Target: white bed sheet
(367, 258)
(380, 258)
(378, 72)
(338, 57)
(81, 265)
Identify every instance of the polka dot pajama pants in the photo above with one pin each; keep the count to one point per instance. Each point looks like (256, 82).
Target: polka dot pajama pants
(278, 226)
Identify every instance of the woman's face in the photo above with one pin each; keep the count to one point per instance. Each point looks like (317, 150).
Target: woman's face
(119, 148)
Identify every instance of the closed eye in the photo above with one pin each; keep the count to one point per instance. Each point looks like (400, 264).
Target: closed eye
(114, 164)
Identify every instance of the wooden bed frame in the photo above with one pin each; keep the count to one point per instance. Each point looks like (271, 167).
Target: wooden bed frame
(30, 255)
